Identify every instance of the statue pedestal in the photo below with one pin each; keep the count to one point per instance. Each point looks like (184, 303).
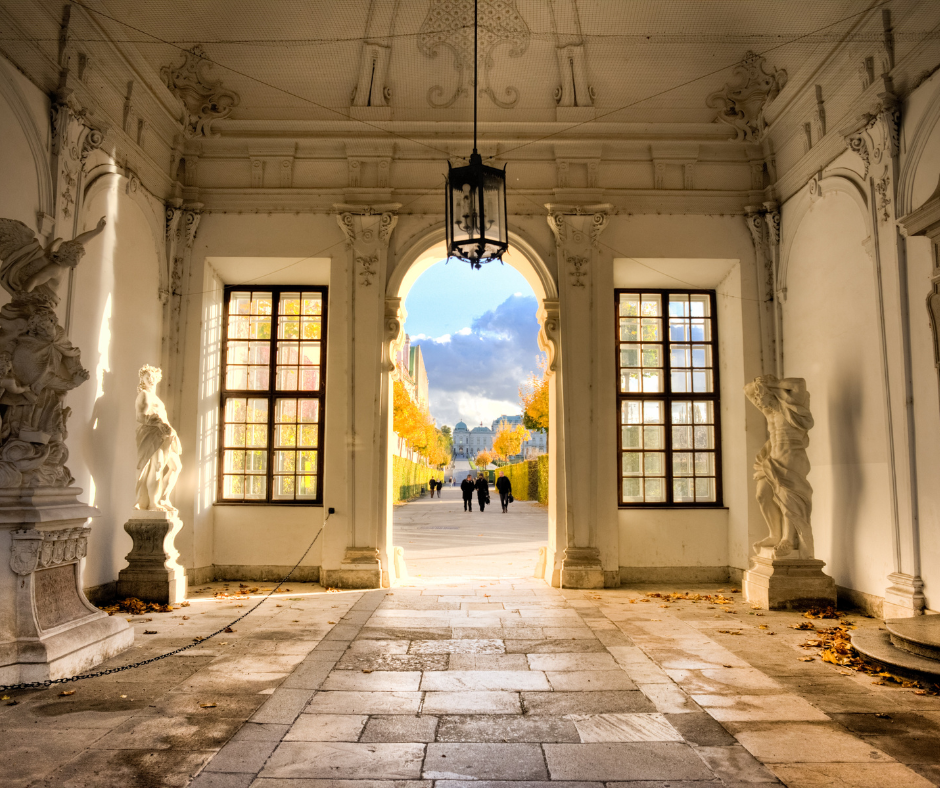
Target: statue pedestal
(48, 629)
(788, 583)
(152, 573)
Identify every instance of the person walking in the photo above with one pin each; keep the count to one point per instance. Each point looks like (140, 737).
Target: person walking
(440, 484)
(432, 486)
(483, 490)
(504, 486)
(467, 487)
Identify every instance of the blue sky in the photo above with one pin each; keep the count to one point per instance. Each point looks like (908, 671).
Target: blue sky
(477, 331)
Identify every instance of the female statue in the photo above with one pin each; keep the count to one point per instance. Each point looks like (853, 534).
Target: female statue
(158, 446)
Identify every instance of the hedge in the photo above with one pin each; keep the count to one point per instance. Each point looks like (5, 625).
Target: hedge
(529, 479)
(409, 479)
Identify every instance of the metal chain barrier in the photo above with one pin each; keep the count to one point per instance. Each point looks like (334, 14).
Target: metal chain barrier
(198, 642)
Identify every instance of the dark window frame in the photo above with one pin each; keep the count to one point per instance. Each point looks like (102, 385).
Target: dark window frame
(668, 397)
(272, 394)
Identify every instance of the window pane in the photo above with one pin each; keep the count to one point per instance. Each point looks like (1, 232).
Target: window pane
(257, 411)
(309, 411)
(286, 379)
(257, 436)
(704, 437)
(309, 379)
(629, 329)
(679, 355)
(234, 435)
(630, 355)
(705, 490)
(631, 463)
(652, 381)
(701, 356)
(682, 490)
(236, 378)
(310, 328)
(258, 378)
(652, 356)
(288, 352)
(631, 412)
(704, 412)
(306, 487)
(682, 437)
(681, 413)
(284, 487)
(652, 305)
(652, 437)
(234, 462)
(701, 330)
(652, 329)
(233, 487)
(236, 409)
(629, 305)
(702, 380)
(259, 353)
(285, 462)
(256, 462)
(681, 463)
(630, 381)
(681, 381)
(704, 463)
(655, 490)
(632, 490)
(631, 438)
(237, 353)
(310, 353)
(700, 305)
(678, 305)
(678, 330)
(256, 488)
(652, 412)
(312, 304)
(653, 464)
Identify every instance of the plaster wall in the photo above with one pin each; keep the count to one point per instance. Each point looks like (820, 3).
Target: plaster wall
(831, 339)
(920, 168)
(254, 249)
(699, 252)
(116, 320)
(24, 112)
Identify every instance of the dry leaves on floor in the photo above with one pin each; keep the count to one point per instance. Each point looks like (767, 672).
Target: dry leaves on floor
(138, 607)
(66, 693)
(730, 631)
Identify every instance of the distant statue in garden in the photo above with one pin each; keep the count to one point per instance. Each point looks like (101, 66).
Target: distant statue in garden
(784, 494)
(158, 446)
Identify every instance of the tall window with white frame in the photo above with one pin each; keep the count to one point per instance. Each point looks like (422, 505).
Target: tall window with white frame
(667, 398)
(273, 396)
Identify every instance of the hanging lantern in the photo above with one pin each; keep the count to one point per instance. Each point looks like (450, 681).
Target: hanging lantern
(475, 199)
(476, 212)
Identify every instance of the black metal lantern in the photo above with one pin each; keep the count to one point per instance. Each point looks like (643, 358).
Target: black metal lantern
(475, 200)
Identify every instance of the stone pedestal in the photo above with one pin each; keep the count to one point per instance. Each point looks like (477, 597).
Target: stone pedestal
(581, 568)
(48, 629)
(788, 583)
(152, 573)
(361, 568)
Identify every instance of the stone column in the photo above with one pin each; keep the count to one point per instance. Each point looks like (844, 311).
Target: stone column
(577, 230)
(876, 142)
(367, 231)
(153, 573)
(48, 629)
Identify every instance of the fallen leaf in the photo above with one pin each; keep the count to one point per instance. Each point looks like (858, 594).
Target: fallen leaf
(66, 693)
(207, 705)
(5, 697)
(228, 629)
(330, 622)
(366, 670)
(763, 626)
(735, 590)
(150, 632)
(806, 659)
(882, 716)
(123, 696)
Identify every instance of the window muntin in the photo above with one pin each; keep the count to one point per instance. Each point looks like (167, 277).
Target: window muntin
(272, 397)
(668, 398)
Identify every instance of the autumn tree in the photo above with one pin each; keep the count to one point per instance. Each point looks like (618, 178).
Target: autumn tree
(508, 441)
(415, 427)
(533, 394)
(483, 459)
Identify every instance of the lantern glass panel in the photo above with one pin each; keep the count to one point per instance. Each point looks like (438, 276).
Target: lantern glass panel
(494, 205)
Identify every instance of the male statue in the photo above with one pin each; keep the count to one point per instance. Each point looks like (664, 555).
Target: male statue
(158, 446)
(784, 495)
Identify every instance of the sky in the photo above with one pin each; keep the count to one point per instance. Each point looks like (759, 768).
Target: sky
(477, 331)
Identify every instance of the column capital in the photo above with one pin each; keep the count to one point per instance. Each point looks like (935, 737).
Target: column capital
(578, 225)
(367, 225)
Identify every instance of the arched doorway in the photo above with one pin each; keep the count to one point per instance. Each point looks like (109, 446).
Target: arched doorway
(417, 258)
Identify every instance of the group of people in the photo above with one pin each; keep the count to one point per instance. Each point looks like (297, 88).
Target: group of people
(482, 488)
(435, 485)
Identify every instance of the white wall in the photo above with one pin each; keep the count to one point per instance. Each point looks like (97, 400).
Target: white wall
(117, 323)
(831, 339)
(24, 111)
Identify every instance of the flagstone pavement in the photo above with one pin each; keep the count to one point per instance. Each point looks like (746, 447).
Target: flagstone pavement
(499, 683)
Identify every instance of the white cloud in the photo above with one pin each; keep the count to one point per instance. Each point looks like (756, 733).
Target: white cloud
(464, 332)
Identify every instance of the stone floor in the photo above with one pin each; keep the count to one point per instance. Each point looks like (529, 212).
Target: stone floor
(506, 683)
(442, 540)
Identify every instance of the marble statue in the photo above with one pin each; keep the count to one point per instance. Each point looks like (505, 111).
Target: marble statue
(38, 363)
(158, 446)
(783, 492)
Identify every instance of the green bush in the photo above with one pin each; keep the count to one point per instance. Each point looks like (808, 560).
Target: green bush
(529, 479)
(409, 479)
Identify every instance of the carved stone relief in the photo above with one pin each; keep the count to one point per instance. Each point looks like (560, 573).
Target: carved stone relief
(578, 269)
(549, 318)
(741, 102)
(367, 268)
(33, 549)
(204, 99)
(448, 25)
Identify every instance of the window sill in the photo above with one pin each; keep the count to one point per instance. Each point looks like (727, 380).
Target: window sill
(671, 506)
(267, 503)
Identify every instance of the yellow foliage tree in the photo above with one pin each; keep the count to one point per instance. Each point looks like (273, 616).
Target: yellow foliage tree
(414, 426)
(483, 459)
(508, 442)
(533, 394)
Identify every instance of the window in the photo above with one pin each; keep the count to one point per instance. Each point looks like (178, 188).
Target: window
(667, 398)
(272, 395)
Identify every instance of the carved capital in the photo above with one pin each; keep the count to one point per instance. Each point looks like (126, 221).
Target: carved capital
(549, 318)
(367, 227)
(578, 225)
(755, 224)
(741, 102)
(772, 220)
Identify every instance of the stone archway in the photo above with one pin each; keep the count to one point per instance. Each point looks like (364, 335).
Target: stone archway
(417, 258)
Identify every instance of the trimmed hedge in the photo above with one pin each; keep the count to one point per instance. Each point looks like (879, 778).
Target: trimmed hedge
(529, 479)
(409, 479)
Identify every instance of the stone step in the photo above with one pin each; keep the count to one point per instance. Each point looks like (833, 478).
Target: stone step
(876, 644)
(919, 635)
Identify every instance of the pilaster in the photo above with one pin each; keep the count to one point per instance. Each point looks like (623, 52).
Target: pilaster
(577, 231)
(366, 559)
(876, 141)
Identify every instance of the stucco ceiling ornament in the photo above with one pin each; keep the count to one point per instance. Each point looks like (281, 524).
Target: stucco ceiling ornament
(449, 25)
(741, 102)
(204, 99)
(38, 363)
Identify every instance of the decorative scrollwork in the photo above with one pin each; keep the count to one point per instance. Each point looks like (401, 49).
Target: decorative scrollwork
(741, 102)
(204, 99)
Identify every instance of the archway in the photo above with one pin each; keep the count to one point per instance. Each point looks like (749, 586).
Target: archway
(417, 258)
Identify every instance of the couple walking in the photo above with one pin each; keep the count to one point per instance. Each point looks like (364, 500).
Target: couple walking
(482, 488)
(435, 485)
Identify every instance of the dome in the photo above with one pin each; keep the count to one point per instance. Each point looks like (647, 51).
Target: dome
(480, 429)
(460, 426)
